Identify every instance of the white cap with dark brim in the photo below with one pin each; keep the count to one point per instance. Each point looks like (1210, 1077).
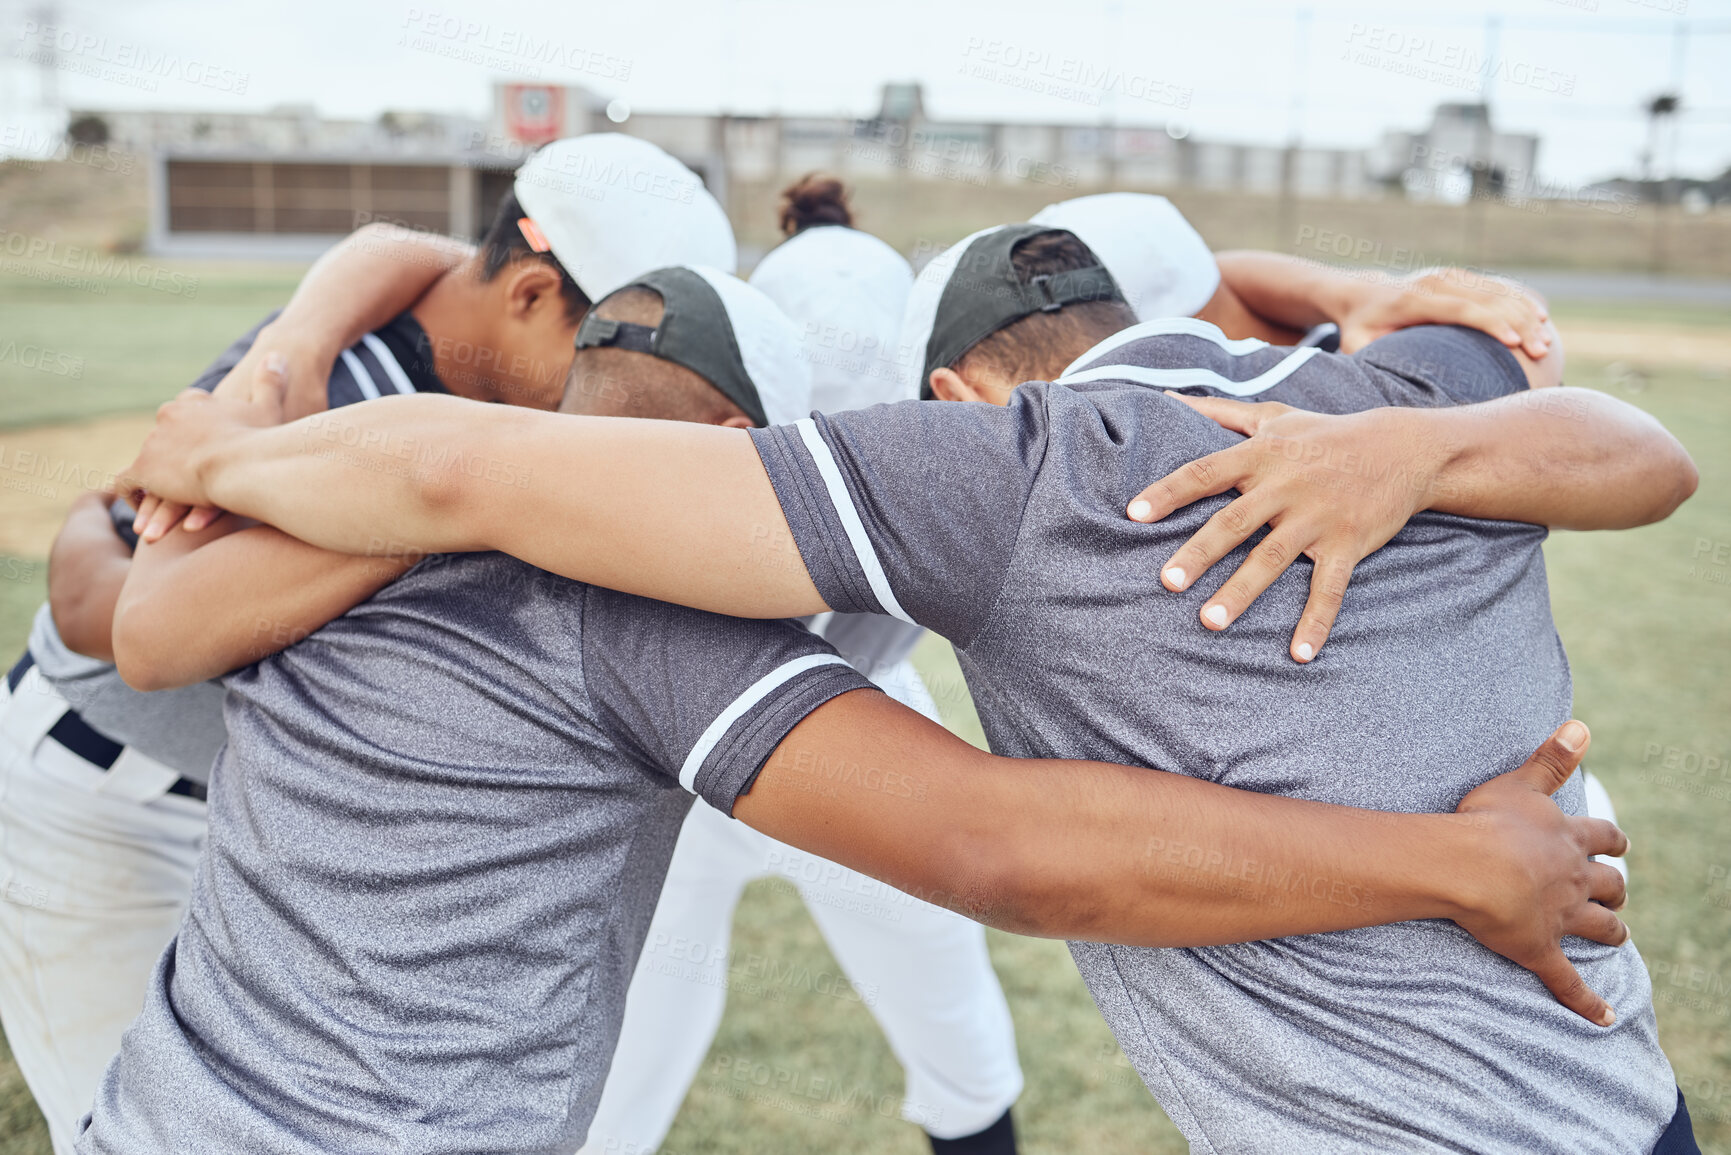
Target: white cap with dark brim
(612, 207)
(1161, 263)
(845, 290)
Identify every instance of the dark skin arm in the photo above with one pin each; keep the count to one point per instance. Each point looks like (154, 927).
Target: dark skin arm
(1099, 852)
(86, 568)
(199, 604)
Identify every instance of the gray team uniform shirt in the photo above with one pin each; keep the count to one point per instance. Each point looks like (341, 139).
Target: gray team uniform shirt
(438, 832)
(1004, 530)
(183, 728)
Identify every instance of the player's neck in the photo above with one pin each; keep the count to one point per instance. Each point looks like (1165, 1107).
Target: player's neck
(455, 314)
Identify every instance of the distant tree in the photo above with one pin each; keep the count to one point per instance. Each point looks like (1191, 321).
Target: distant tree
(88, 129)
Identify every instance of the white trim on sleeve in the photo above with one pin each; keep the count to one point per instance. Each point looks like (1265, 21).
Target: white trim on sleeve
(389, 360)
(755, 693)
(1181, 378)
(1167, 327)
(863, 551)
(364, 379)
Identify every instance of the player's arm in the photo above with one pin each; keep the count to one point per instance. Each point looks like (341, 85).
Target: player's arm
(1294, 293)
(618, 502)
(1107, 853)
(1565, 458)
(200, 604)
(368, 278)
(86, 568)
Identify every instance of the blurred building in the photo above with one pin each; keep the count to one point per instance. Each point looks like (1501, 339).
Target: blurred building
(286, 182)
(1460, 156)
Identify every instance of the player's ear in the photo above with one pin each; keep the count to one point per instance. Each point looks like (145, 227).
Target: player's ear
(949, 385)
(738, 421)
(530, 285)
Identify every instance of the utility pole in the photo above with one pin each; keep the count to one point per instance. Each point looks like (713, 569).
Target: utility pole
(1288, 214)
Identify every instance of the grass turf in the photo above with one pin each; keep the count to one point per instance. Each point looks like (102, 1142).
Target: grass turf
(1646, 616)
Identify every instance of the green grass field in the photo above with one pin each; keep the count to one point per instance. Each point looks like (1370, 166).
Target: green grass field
(1646, 616)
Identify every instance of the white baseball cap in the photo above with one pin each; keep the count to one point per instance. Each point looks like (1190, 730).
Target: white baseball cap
(611, 207)
(845, 291)
(1161, 263)
(723, 330)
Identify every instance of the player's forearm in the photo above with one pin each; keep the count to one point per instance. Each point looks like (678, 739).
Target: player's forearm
(1095, 851)
(86, 568)
(367, 279)
(198, 605)
(1289, 291)
(370, 277)
(624, 503)
(1566, 458)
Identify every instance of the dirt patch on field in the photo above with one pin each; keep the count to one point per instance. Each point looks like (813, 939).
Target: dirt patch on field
(1658, 346)
(43, 469)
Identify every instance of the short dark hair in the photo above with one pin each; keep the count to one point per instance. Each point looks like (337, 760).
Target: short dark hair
(503, 244)
(1040, 345)
(814, 199)
(639, 384)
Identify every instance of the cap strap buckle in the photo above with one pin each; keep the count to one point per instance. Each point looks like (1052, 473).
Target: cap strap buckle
(602, 332)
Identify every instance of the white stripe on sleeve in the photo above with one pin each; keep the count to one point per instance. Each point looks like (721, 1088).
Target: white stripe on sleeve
(364, 379)
(1180, 378)
(863, 550)
(755, 693)
(388, 359)
(1168, 327)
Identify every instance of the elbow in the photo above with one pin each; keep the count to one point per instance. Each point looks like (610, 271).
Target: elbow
(1004, 887)
(140, 657)
(1675, 480)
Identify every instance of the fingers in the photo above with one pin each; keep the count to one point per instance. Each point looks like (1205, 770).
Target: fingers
(200, 517)
(1597, 924)
(165, 517)
(1271, 557)
(1218, 537)
(145, 506)
(1601, 836)
(1328, 581)
(1567, 987)
(1244, 417)
(1204, 477)
(1605, 886)
(1553, 762)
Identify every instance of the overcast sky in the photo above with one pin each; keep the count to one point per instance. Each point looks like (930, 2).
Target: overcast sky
(1573, 71)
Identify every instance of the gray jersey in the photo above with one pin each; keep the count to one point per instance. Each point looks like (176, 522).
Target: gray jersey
(183, 728)
(1004, 530)
(438, 832)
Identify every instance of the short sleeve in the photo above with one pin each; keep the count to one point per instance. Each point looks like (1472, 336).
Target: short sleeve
(1443, 365)
(702, 697)
(231, 356)
(911, 509)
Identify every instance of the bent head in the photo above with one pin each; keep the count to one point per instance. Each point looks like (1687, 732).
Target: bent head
(607, 381)
(683, 344)
(531, 308)
(1006, 306)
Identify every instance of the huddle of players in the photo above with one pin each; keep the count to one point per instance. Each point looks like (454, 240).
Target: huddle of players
(440, 823)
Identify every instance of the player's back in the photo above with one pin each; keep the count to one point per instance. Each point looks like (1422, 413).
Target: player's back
(1443, 669)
